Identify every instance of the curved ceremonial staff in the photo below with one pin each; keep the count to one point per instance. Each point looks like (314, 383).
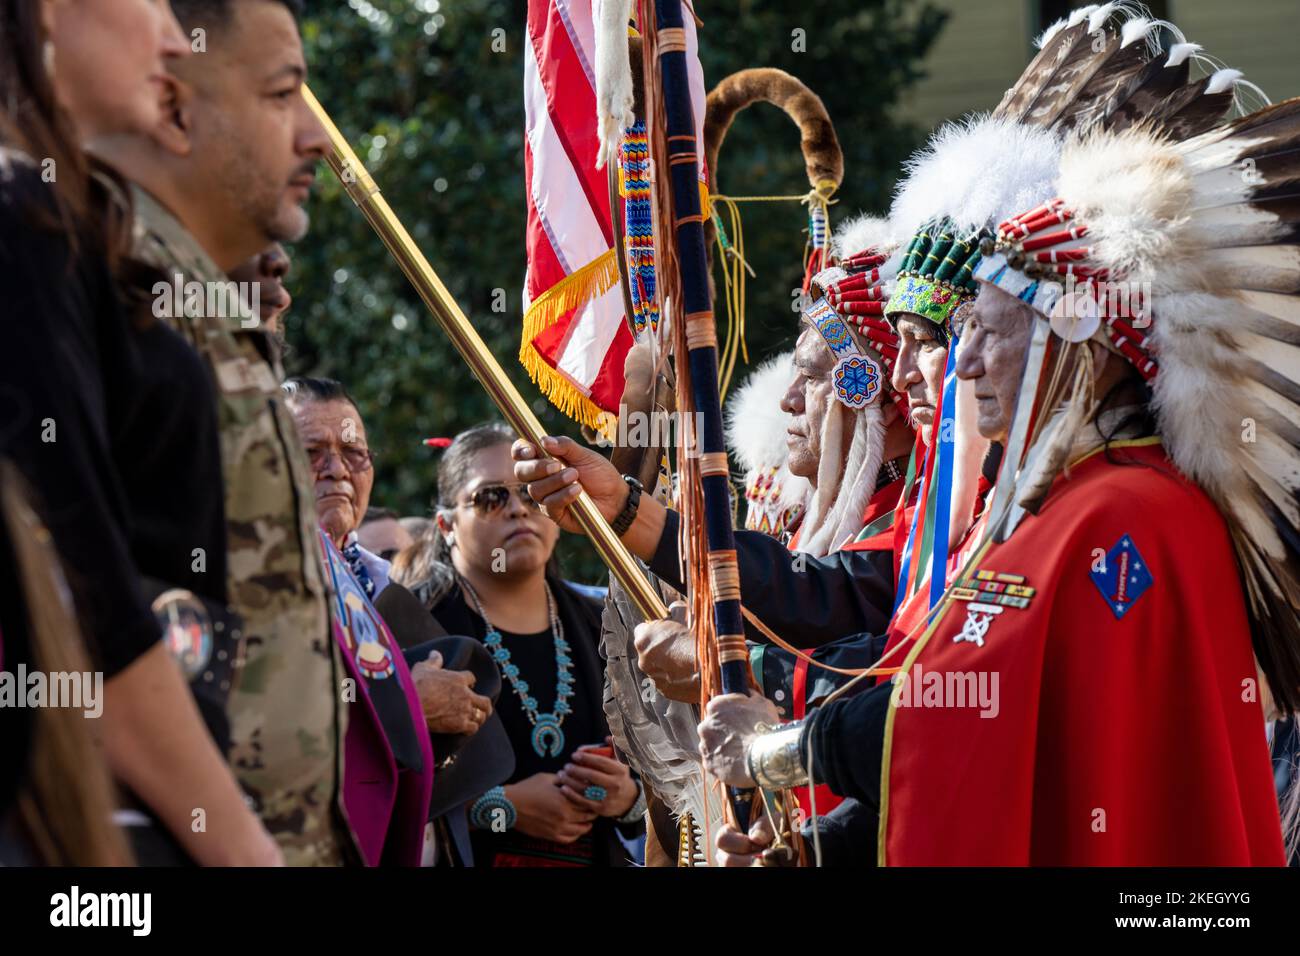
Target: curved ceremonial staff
(365, 193)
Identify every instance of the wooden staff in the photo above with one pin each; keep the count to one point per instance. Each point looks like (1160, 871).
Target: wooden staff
(705, 482)
(365, 193)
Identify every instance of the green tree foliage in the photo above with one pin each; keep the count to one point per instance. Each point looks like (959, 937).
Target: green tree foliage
(429, 92)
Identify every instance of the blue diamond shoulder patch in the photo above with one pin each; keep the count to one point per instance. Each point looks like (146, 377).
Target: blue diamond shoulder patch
(1123, 578)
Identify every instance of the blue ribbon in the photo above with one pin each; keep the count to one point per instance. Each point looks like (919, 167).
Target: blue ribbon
(905, 562)
(947, 448)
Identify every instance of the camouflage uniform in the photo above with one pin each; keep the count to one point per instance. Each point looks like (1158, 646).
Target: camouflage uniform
(285, 711)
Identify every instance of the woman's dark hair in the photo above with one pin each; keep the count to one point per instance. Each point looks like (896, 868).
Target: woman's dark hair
(454, 471)
(32, 122)
(66, 796)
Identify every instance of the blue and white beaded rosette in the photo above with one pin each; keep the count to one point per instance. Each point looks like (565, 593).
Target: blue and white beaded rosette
(856, 378)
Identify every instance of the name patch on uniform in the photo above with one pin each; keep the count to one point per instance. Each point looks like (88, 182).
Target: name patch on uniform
(1123, 577)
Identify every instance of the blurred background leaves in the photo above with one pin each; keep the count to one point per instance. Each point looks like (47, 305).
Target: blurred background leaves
(433, 105)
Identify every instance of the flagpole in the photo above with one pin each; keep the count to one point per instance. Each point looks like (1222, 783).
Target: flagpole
(365, 193)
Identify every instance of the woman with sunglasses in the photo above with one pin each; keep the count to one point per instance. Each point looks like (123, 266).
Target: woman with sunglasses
(569, 797)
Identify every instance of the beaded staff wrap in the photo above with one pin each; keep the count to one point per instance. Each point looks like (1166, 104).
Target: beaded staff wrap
(639, 228)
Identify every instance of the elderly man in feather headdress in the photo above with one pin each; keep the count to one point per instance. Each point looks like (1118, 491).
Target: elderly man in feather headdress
(822, 461)
(1129, 724)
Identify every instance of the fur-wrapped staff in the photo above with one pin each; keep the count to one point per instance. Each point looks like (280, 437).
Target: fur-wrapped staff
(684, 280)
(823, 162)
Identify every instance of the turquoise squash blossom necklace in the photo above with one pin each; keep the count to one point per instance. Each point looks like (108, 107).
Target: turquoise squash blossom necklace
(548, 737)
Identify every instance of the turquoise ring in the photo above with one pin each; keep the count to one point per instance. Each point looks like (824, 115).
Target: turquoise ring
(595, 794)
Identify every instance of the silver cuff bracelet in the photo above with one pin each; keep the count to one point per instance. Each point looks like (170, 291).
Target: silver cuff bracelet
(773, 758)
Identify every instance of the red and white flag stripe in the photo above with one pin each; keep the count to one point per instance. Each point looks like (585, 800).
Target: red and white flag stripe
(575, 335)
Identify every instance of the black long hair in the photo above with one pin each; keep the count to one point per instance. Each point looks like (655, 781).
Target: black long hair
(1139, 423)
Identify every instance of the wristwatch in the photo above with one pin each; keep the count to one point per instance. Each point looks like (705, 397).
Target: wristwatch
(638, 808)
(623, 520)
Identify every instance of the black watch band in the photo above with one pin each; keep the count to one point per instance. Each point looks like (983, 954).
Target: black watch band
(623, 520)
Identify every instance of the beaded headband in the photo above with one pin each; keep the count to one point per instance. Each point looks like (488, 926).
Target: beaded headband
(937, 274)
(851, 297)
(857, 377)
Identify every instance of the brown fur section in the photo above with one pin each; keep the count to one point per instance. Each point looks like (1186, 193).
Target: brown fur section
(823, 158)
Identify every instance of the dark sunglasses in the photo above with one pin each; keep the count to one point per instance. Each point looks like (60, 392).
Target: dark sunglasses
(490, 499)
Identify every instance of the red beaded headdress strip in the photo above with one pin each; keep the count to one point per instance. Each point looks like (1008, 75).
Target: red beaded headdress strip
(1037, 248)
(859, 299)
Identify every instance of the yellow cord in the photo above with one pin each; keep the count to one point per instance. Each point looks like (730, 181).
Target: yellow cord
(733, 273)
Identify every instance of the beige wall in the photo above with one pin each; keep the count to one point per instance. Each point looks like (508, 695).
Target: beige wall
(986, 44)
(982, 49)
(1259, 37)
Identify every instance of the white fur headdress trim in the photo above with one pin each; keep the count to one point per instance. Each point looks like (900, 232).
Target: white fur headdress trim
(976, 172)
(755, 423)
(863, 232)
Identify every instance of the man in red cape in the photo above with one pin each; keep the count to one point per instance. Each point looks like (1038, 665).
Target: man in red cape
(1115, 652)
(1085, 694)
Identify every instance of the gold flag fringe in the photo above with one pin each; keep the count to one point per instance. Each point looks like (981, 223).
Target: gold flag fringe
(560, 390)
(572, 292)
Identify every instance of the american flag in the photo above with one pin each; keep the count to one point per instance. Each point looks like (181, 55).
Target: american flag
(575, 334)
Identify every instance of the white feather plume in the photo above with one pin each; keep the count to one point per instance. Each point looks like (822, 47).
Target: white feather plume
(1096, 17)
(1179, 52)
(755, 432)
(863, 232)
(1075, 16)
(1220, 272)
(755, 422)
(976, 172)
(614, 96)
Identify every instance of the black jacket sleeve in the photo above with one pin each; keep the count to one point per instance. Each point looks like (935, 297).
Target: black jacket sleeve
(848, 741)
(779, 667)
(847, 835)
(809, 601)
